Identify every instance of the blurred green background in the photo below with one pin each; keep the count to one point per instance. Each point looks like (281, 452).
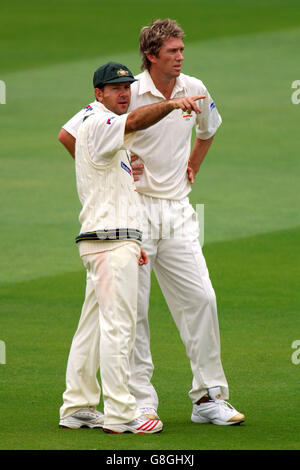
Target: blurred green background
(246, 53)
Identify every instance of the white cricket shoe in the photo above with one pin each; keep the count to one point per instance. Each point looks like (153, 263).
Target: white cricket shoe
(216, 411)
(87, 417)
(150, 413)
(141, 425)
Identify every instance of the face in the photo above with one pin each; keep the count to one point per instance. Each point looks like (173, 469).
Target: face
(115, 97)
(170, 58)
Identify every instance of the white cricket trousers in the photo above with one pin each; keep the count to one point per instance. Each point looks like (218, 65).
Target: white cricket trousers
(105, 336)
(171, 241)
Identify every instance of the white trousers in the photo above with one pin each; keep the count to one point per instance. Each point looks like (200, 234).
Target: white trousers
(105, 336)
(172, 244)
(171, 240)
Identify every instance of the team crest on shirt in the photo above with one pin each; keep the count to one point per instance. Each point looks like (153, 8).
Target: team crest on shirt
(187, 115)
(88, 108)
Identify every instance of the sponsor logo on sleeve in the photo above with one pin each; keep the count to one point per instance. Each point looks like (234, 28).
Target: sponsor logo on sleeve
(126, 168)
(110, 119)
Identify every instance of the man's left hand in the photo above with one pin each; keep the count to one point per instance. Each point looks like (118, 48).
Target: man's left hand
(190, 173)
(137, 169)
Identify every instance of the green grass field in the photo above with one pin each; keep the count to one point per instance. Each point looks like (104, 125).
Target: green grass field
(246, 52)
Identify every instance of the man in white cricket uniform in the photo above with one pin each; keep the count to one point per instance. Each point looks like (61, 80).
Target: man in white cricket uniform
(109, 245)
(167, 166)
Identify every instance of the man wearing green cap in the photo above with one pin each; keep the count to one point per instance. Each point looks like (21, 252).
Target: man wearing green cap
(110, 247)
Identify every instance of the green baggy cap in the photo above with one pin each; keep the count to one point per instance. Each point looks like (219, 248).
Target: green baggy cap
(112, 72)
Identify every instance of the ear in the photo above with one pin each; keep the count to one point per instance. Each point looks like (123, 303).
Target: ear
(152, 58)
(99, 94)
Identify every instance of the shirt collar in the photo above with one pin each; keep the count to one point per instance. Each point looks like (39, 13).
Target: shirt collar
(146, 85)
(100, 107)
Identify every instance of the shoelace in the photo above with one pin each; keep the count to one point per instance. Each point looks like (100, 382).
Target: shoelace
(223, 403)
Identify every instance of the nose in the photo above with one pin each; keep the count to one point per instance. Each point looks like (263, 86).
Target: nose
(180, 55)
(124, 93)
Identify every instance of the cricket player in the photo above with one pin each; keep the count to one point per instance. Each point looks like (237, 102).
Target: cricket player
(165, 167)
(110, 248)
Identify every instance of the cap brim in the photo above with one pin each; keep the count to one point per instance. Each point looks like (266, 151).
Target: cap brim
(117, 80)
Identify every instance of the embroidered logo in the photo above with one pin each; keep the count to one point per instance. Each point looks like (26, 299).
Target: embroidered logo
(110, 119)
(187, 115)
(212, 106)
(122, 72)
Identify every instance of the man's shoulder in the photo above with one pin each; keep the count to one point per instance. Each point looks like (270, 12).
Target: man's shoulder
(90, 107)
(135, 85)
(87, 109)
(192, 83)
(96, 116)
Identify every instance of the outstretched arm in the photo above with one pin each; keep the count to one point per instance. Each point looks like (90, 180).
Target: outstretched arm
(142, 117)
(146, 116)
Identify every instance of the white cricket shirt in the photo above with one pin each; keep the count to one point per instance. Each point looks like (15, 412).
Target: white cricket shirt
(105, 183)
(165, 147)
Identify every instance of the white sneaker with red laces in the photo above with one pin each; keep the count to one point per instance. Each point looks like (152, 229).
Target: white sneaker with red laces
(141, 425)
(215, 410)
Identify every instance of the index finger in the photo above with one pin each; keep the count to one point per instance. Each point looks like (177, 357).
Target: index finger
(198, 97)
